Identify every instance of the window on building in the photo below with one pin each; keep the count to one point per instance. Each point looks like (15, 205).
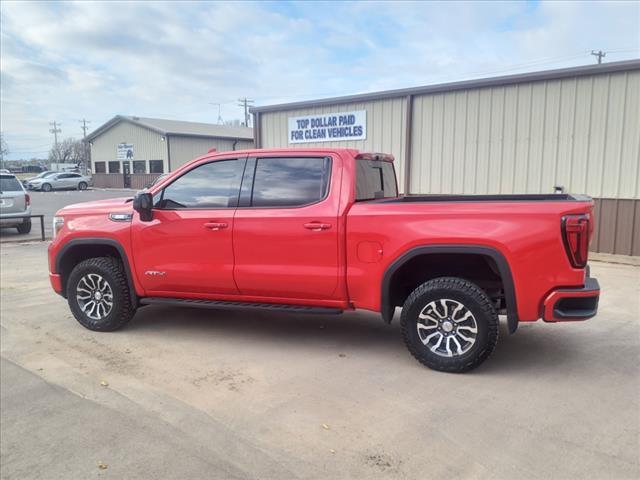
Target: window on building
(156, 166)
(100, 167)
(213, 185)
(139, 166)
(290, 182)
(375, 179)
(114, 167)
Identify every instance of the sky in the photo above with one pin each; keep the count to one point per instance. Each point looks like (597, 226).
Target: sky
(69, 61)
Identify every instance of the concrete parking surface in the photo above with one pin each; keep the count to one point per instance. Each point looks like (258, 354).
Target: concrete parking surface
(48, 203)
(216, 394)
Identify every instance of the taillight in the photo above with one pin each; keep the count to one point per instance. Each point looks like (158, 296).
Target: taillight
(575, 235)
(27, 199)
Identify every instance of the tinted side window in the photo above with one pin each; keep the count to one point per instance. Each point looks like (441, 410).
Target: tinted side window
(290, 182)
(375, 179)
(213, 185)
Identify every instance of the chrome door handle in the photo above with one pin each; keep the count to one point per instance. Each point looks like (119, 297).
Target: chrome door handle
(317, 226)
(215, 225)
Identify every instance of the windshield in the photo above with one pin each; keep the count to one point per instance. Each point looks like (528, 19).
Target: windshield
(9, 184)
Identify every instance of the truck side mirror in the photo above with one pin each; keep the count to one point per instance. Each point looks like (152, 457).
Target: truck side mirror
(143, 204)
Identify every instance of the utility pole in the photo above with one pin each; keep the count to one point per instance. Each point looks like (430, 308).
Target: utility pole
(600, 54)
(55, 130)
(84, 128)
(244, 102)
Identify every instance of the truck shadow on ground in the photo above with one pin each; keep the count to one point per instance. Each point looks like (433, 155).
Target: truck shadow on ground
(530, 348)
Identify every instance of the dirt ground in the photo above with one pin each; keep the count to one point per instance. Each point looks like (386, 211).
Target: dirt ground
(191, 393)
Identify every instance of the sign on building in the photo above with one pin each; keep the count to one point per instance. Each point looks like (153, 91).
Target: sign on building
(125, 151)
(331, 127)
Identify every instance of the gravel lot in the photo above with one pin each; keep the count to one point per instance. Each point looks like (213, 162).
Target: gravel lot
(48, 203)
(206, 394)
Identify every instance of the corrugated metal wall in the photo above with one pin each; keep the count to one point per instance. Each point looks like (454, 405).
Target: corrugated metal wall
(386, 128)
(184, 149)
(147, 144)
(582, 133)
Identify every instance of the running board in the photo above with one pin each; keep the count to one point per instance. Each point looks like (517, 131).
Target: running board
(220, 304)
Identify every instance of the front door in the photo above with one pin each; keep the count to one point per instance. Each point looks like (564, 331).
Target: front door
(187, 247)
(286, 229)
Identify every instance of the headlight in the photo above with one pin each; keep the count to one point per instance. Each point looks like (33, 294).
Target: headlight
(58, 223)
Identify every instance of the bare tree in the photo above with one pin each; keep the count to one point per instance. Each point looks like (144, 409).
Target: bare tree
(67, 151)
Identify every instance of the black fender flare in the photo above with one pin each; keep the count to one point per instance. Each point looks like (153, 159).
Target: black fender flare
(387, 309)
(71, 244)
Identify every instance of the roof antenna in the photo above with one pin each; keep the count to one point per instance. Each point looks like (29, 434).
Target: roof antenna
(220, 120)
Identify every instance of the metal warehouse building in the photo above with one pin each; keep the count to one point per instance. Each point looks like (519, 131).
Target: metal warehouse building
(575, 127)
(132, 151)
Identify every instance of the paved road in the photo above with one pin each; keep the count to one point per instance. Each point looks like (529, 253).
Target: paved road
(49, 203)
(212, 394)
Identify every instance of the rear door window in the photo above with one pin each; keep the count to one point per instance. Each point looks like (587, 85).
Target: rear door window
(290, 181)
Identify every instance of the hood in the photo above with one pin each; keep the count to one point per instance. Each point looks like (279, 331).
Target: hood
(110, 205)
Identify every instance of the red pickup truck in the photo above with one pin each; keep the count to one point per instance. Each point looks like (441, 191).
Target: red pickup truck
(323, 231)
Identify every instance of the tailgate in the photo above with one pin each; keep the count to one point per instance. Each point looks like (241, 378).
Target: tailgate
(12, 202)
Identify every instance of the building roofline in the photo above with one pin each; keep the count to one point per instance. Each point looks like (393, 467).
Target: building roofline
(556, 74)
(124, 118)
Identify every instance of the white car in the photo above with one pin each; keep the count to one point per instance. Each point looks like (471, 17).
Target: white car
(14, 204)
(61, 180)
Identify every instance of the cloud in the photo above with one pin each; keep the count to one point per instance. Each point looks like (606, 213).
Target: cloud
(67, 61)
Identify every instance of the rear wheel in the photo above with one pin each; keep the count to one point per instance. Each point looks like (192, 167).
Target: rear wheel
(449, 324)
(24, 227)
(46, 187)
(98, 294)
(82, 186)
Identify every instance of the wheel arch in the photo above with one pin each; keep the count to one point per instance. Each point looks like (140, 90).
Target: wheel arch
(387, 306)
(79, 249)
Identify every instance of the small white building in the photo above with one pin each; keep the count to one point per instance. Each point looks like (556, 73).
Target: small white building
(130, 151)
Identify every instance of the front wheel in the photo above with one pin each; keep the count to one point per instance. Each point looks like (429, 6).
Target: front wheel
(46, 187)
(82, 186)
(98, 294)
(449, 324)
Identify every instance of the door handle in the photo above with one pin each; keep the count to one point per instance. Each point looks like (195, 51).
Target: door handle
(215, 225)
(317, 226)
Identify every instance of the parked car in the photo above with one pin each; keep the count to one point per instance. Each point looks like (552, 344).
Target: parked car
(322, 231)
(4, 170)
(59, 181)
(46, 173)
(14, 204)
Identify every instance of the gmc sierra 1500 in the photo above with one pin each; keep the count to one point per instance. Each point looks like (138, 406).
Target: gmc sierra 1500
(323, 231)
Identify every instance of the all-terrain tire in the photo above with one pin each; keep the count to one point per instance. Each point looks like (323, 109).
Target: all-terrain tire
(112, 271)
(456, 291)
(46, 187)
(24, 227)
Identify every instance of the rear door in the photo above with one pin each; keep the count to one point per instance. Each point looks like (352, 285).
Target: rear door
(286, 228)
(12, 195)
